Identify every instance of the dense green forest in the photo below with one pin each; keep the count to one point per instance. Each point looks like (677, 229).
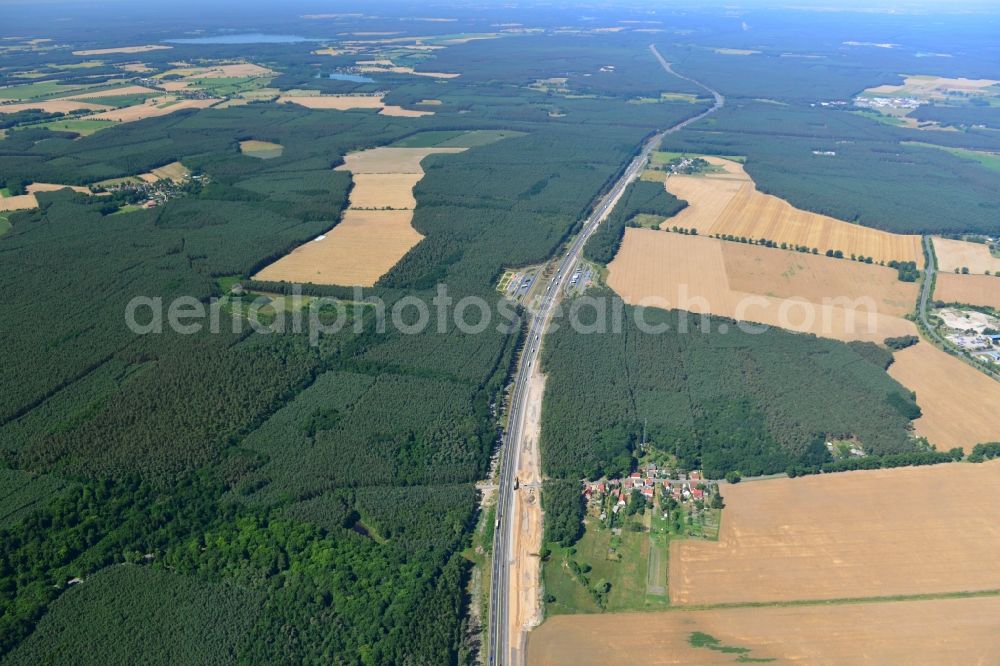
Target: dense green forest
(716, 396)
(324, 492)
(641, 197)
(876, 178)
(320, 497)
(721, 400)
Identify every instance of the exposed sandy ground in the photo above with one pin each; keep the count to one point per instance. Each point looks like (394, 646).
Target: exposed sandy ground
(400, 112)
(116, 92)
(983, 290)
(367, 243)
(833, 298)
(151, 109)
(52, 106)
(916, 530)
(123, 49)
(959, 403)
(952, 254)
(934, 632)
(175, 86)
(525, 607)
(729, 203)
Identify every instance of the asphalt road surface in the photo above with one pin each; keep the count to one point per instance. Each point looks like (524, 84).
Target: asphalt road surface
(503, 537)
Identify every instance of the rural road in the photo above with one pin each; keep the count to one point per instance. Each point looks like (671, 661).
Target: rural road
(505, 649)
(925, 297)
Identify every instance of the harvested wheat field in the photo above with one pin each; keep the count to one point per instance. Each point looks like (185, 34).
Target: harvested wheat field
(729, 203)
(348, 102)
(934, 87)
(52, 187)
(174, 171)
(376, 229)
(904, 531)
(123, 49)
(932, 632)
(53, 106)
(959, 403)
(264, 150)
(334, 102)
(982, 290)
(18, 202)
(114, 92)
(833, 298)
(952, 254)
(151, 109)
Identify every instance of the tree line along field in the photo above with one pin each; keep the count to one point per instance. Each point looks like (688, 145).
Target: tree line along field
(719, 400)
(307, 475)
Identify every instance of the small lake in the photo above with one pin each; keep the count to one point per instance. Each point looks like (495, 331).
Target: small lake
(245, 38)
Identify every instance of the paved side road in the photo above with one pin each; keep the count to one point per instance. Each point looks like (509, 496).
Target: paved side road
(500, 653)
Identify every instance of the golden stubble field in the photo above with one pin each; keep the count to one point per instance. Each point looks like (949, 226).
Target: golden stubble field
(982, 290)
(952, 254)
(729, 203)
(904, 531)
(930, 632)
(152, 108)
(833, 298)
(348, 102)
(376, 229)
(959, 403)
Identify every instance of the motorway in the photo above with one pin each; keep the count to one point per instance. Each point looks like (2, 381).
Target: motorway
(503, 537)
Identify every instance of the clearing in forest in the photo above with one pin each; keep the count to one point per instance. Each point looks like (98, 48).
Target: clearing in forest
(955, 254)
(123, 49)
(878, 533)
(728, 203)
(152, 108)
(264, 150)
(53, 106)
(981, 290)
(348, 102)
(958, 402)
(376, 229)
(28, 201)
(834, 298)
(174, 171)
(936, 631)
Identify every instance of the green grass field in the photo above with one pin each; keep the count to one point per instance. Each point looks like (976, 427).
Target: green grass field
(5, 225)
(82, 127)
(119, 101)
(988, 160)
(621, 560)
(36, 90)
(230, 86)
